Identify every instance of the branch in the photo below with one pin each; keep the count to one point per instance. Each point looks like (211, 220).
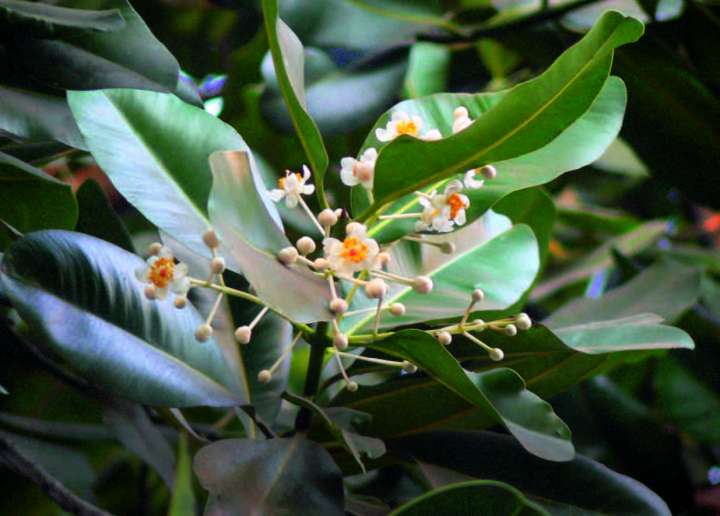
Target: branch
(312, 379)
(16, 461)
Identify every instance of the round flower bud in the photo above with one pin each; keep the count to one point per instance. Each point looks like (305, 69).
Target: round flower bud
(510, 330)
(352, 386)
(496, 354)
(203, 332)
(264, 376)
(444, 338)
(488, 172)
(523, 321)
(150, 291)
(384, 258)
(327, 217)
(460, 112)
(397, 309)
(154, 248)
(305, 245)
(340, 341)
(338, 305)
(448, 248)
(287, 255)
(210, 238)
(321, 264)
(376, 288)
(243, 334)
(422, 284)
(353, 227)
(180, 302)
(409, 367)
(217, 265)
(364, 171)
(478, 295)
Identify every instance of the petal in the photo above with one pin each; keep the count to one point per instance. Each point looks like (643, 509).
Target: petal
(347, 177)
(399, 115)
(181, 270)
(470, 182)
(141, 274)
(370, 155)
(421, 226)
(460, 218)
(165, 252)
(432, 135)
(417, 120)
(180, 285)
(382, 135)
(291, 200)
(308, 189)
(306, 173)
(347, 163)
(453, 186)
(424, 201)
(464, 199)
(373, 248)
(276, 194)
(161, 293)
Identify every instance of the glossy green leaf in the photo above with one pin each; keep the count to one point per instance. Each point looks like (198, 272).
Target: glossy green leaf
(581, 486)
(32, 200)
(500, 393)
(182, 502)
(287, 54)
(578, 145)
(428, 68)
(80, 295)
(471, 498)
(687, 402)
(47, 19)
(239, 211)
(155, 149)
(276, 476)
(504, 267)
(529, 117)
(97, 217)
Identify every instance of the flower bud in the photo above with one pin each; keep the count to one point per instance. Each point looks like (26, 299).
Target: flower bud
(364, 171)
(321, 264)
(384, 258)
(409, 367)
(448, 247)
(327, 217)
(354, 227)
(154, 248)
(488, 172)
(150, 291)
(338, 305)
(397, 309)
(510, 330)
(444, 338)
(523, 321)
(340, 341)
(496, 354)
(210, 238)
(287, 255)
(180, 302)
(217, 265)
(264, 376)
(478, 295)
(243, 334)
(305, 245)
(422, 284)
(460, 112)
(376, 288)
(352, 386)
(203, 332)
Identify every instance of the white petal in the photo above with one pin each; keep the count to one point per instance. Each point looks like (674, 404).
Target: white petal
(384, 135)
(421, 226)
(399, 115)
(161, 293)
(432, 135)
(180, 271)
(141, 274)
(180, 286)
(453, 186)
(464, 199)
(460, 218)
(470, 182)
(370, 155)
(418, 121)
(347, 177)
(276, 194)
(329, 244)
(347, 163)
(306, 173)
(424, 201)
(460, 124)
(165, 252)
(308, 189)
(291, 200)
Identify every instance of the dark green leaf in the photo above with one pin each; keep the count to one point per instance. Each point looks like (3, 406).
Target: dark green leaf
(81, 296)
(97, 217)
(277, 476)
(182, 502)
(47, 19)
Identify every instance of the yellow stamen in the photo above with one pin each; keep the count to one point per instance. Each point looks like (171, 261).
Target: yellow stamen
(354, 250)
(406, 127)
(161, 272)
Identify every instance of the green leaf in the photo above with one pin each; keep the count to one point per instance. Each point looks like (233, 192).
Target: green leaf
(580, 144)
(504, 267)
(32, 200)
(240, 211)
(581, 486)
(287, 54)
(80, 295)
(471, 498)
(428, 68)
(689, 403)
(182, 502)
(97, 217)
(155, 149)
(48, 19)
(500, 393)
(277, 476)
(529, 117)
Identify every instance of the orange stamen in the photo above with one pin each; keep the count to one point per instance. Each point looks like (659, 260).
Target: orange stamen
(161, 272)
(406, 127)
(354, 250)
(456, 204)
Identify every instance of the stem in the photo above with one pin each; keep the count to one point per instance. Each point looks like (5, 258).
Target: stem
(312, 379)
(311, 215)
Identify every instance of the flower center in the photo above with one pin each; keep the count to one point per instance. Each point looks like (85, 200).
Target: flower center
(354, 250)
(281, 181)
(161, 272)
(406, 127)
(456, 204)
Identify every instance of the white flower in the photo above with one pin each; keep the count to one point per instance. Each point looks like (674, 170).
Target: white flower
(165, 274)
(470, 182)
(442, 211)
(292, 186)
(461, 119)
(402, 123)
(357, 252)
(359, 171)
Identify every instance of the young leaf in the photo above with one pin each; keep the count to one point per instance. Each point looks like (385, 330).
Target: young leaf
(82, 296)
(529, 117)
(287, 54)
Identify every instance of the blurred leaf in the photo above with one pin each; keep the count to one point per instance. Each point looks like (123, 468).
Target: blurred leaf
(534, 207)
(500, 393)
(32, 200)
(619, 158)
(47, 19)
(581, 486)
(277, 476)
(287, 54)
(471, 498)
(529, 117)
(3, 391)
(155, 150)
(689, 403)
(428, 68)
(182, 502)
(254, 237)
(97, 217)
(81, 295)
